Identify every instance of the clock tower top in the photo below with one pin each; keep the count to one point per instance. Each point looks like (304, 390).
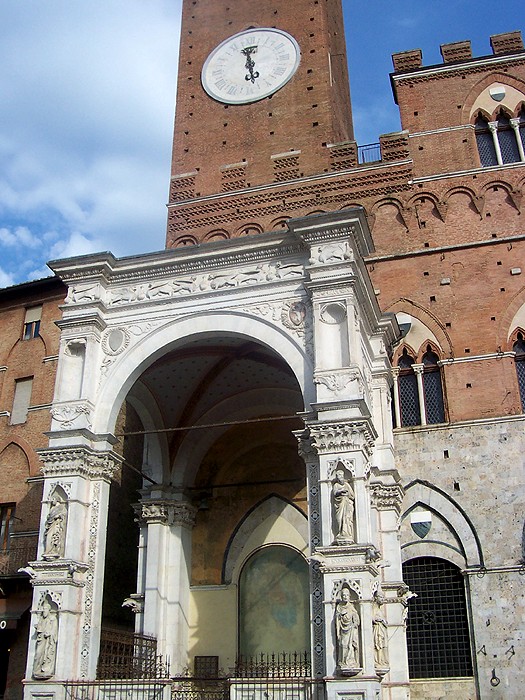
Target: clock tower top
(262, 92)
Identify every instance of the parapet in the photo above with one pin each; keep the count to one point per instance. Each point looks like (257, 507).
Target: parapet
(510, 42)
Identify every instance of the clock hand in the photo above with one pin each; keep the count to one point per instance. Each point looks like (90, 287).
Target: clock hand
(250, 63)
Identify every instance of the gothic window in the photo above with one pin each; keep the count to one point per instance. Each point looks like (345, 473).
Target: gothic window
(437, 628)
(274, 609)
(409, 408)
(502, 141)
(519, 349)
(433, 388)
(486, 148)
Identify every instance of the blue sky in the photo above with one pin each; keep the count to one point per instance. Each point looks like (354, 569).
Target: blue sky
(87, 102)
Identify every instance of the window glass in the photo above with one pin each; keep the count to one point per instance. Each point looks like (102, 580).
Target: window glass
(32, 323)
(486, 148)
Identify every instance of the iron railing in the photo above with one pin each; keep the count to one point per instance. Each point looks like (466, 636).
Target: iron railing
(125, 655)
(116, 690)
(281, 665)
(369, 153)
(21, 551)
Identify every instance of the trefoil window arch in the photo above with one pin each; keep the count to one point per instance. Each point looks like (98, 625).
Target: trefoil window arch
(418, 390)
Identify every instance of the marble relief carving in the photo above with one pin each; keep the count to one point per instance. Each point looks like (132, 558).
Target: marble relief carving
(55, 526)
(347, 623)
(46, 631)
(343, 505)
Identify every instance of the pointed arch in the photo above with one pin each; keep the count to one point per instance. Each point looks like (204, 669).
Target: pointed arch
(256, 528)
(405, 305)
(474, 97)
(34, 464)
(423, 493)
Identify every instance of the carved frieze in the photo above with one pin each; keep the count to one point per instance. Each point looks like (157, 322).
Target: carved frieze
(331, 253)
(387, 497)
(80, 461)
(166, 512)
(341, 437)
(63, 572)
(337, 382)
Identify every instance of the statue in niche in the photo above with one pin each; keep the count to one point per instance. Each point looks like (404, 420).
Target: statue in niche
(380, 632)
(343, 504)
(347, 624)
(46, 641)
(55, 527)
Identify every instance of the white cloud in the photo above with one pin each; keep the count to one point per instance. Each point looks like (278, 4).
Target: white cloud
(85, 139)
(6, 280)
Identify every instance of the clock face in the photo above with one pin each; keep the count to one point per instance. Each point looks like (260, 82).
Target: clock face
(250, 65)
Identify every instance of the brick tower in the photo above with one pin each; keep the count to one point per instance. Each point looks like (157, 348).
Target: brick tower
(253, 145)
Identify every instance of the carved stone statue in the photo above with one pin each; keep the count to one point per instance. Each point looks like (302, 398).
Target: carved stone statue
(343, 505)
(347, 624)
(380, 632)
(46, 641)
(55, 528)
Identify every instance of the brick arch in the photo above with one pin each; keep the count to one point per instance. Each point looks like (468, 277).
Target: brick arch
(218, 234)
(469, 192)
(428, 319)
(470, 99)
(183, 241)
(33, 463)
(281, 222)
(513, 193)
(249, 229)
(505, 328)
(480, 112)
(392, 202)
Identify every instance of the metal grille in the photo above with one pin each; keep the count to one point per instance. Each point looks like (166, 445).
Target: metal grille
(507, 142)
(114, 690)
(409, 400)
(520, 371)
(487, 151)
(206, 667)
(127, 655)
(433, 390)
(437, 630)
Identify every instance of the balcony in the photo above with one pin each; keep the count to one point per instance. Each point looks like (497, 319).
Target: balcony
(21, 551)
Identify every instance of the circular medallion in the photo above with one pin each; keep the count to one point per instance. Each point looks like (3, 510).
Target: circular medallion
(250, 66)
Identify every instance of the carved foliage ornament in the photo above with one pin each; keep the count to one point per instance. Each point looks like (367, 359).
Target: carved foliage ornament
(387, 497)
(67, 415)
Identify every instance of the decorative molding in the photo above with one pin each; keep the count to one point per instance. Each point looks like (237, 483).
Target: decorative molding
(90, 579)
(336, 382)
(63, 572)
(67, 414)
(80, 461)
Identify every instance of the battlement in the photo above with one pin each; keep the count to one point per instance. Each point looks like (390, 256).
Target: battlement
(458, 51)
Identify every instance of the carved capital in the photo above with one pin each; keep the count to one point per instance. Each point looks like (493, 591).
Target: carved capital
(387, 497)
(341, 437)
(80, 461)
(166, 513)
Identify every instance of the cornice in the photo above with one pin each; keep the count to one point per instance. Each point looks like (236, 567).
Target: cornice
(476, 65)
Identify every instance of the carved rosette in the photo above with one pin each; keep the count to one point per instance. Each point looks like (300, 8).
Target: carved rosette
(166, 513)
(80, 461)
(328, 438)
(387, 497)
